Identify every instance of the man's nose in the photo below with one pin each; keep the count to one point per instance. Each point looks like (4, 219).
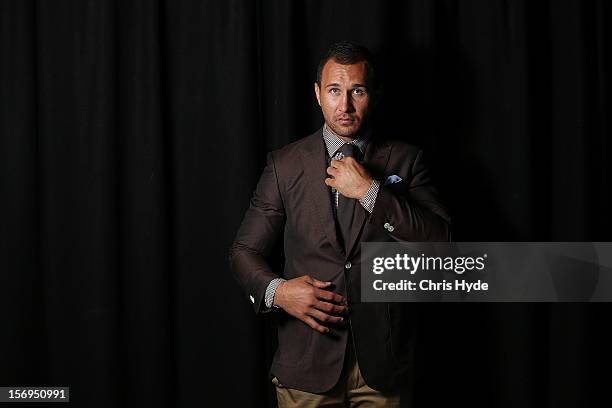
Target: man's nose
(346, 103)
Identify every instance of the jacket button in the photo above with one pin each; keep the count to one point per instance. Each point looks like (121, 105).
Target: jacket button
(252, 298)
(390, 228)
(386, 225)
(348, 265)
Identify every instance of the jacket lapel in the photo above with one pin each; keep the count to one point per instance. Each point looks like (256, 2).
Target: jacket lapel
(314, 164)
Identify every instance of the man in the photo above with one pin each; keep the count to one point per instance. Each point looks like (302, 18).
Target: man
(325, 194)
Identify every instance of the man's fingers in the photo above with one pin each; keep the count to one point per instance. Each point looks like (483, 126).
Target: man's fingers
(308, 279)
(330, 182)
(324, 317)
(332, 171)
(331, 308)
(329, 296)
(320, 284)
(313, 323)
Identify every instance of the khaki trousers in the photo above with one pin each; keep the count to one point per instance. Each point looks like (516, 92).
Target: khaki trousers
(350, 391)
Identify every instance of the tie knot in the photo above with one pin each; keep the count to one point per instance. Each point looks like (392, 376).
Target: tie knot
(350, 150)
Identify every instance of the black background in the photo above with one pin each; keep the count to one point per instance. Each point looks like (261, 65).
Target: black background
(132, 134)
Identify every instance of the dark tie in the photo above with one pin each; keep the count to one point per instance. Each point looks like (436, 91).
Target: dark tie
(346, 206)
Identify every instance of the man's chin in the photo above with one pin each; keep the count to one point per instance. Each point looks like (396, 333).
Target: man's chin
(346, 131)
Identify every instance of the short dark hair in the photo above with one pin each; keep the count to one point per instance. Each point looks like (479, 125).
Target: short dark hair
(348, 53)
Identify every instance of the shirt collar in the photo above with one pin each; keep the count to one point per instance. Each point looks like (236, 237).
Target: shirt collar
(333, 141)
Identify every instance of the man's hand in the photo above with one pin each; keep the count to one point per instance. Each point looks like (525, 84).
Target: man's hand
(351, 179)
(307, 299)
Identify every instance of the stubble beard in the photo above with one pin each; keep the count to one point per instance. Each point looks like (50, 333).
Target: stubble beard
(351, 132)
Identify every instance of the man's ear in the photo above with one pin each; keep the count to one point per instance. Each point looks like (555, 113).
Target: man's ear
(317, 93)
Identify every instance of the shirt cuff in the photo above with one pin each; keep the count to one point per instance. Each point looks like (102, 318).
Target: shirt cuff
(270, 292)
(369, 199)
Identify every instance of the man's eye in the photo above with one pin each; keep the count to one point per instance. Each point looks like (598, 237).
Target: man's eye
(359, 91)
(334, 91)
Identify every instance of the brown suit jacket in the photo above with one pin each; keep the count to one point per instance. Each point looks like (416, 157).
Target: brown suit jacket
(292, 200)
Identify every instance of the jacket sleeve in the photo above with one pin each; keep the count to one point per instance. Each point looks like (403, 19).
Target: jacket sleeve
(259, 232)
(411, 212)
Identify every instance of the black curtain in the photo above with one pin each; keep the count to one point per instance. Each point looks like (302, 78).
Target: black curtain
(132, 134)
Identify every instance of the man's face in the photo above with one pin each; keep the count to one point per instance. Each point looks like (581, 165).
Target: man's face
(343, 97)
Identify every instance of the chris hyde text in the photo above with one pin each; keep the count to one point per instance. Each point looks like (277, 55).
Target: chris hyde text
(430, 285)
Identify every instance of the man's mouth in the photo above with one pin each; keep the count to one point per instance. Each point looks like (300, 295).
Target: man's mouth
(346, 121)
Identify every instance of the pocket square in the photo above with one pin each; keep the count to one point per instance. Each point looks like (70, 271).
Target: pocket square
(393, 179)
